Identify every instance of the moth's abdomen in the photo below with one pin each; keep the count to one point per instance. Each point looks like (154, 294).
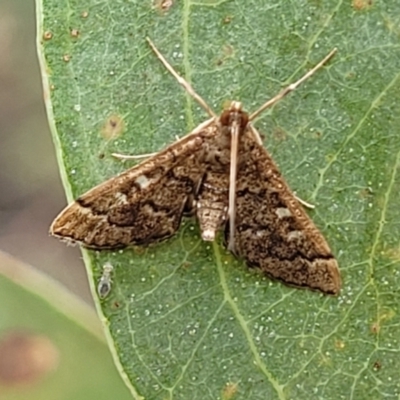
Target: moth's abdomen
(212, 204)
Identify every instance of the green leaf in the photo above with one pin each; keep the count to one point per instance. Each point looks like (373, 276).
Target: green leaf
(51, 343)
(187, 318)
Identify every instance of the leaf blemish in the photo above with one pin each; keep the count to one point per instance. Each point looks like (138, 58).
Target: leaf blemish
(229, 391)
(47, 35)
(113, 127)
(163, 6)
(74, 33)
(360, 5)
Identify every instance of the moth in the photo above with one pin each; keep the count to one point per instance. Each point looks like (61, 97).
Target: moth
(221, 174)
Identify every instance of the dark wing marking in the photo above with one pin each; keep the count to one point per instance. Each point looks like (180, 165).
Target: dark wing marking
(143, 204)
(273, 232)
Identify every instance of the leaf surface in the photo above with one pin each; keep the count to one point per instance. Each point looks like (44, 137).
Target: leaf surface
(187, 318)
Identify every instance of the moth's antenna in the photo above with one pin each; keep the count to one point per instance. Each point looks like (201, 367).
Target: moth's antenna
(292, 86)
(186, 85)
(235, 132)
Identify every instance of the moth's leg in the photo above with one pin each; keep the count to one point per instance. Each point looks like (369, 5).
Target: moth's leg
(304, 203)
(204, 125)
(191, 203)
(255, 133)
(124, 157)
(292, 86)
(186, 85)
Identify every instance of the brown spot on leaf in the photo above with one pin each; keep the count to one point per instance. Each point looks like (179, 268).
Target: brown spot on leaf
(384, 315)
(339, 344)
(47, 35)
(139, 250)
(229, 391)
(361, 4)
(227, 20)
(317, 134)
(116, 305)
(227, 52)
(186, 264)
(393, 253)
(74, 33)
(377, 365)
(113, 127)
(25, 357)
(375, 328)
(163, 6)
(365, 193)
(279, 134)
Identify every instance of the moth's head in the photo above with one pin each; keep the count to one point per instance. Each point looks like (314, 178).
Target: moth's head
(234, 113)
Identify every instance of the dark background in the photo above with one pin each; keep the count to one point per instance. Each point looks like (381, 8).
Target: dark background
(31, 193)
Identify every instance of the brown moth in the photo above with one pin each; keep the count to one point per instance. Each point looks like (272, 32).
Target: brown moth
(222, 174)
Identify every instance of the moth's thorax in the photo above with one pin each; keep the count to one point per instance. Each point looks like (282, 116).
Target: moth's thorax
(217, 152)
(234, 116)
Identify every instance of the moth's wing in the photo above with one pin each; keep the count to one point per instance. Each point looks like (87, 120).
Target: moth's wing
(272, 231)
(143, 204)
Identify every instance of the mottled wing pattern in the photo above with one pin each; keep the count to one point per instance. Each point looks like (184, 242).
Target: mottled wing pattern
(273, 232)
(143, 204)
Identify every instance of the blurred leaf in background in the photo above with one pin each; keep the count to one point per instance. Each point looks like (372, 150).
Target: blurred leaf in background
(30, 187)
(51, 344)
